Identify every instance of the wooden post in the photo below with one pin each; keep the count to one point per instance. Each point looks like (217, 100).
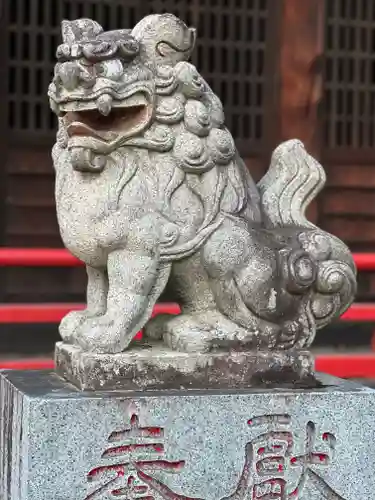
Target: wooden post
(4, 6)
(301, 71)
(299, 81)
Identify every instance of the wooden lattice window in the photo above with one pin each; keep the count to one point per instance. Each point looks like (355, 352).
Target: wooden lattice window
(230, 54)
(349, 103)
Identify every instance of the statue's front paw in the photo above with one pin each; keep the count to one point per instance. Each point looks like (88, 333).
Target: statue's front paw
(70, 324)
(103, 335)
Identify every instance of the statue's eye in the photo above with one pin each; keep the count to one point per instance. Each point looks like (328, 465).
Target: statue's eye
(101, 69)
(85, 62)
(112, 69)
(198, 82)
(104, 69)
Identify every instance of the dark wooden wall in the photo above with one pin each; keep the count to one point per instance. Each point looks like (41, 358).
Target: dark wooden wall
(283, 68)
(326, 98)
(347, 120)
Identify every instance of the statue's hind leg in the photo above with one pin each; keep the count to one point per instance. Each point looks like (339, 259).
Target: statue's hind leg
(200, 326)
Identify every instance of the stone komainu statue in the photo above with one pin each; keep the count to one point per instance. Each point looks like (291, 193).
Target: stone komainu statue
(150, 190)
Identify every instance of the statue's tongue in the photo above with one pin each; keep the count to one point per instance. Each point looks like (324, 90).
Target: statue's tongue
(78, 128)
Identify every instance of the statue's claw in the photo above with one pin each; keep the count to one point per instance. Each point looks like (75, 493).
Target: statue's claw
(70, 325)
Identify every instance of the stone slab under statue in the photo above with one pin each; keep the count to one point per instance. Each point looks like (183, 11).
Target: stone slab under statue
(221, 400)
(155, 367)
(61, 443)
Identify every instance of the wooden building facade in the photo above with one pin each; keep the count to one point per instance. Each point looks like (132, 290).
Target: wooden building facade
(283, 69)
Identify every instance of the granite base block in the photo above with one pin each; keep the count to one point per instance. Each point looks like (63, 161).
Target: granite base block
(59, 443)
(157, 367)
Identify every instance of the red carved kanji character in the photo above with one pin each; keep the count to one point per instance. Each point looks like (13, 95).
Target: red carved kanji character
(271, 452)
(133, 452)
(310, 457)
(273, 460)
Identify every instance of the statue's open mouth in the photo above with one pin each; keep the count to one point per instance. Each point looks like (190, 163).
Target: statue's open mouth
(106, 119)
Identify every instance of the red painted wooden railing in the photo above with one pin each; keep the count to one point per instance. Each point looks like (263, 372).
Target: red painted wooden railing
(343, 365)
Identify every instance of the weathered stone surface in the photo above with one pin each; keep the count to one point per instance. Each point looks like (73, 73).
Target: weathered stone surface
(156, 367)
(150, 189)
(59, 443)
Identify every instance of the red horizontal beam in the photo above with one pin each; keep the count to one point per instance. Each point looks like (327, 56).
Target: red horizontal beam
(339, 365)
(37, 257)
(59, 257)
(35, 313)
(365, 261)
(347, 365)
(53, 313)
(360, 312)
(27, 364)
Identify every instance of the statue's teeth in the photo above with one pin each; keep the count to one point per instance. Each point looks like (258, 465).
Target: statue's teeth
(104, 104)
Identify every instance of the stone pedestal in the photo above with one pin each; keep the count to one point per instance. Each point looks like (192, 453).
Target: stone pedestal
(157, 367)
(59, 443)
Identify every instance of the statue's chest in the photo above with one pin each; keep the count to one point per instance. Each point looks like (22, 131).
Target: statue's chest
(86, 199)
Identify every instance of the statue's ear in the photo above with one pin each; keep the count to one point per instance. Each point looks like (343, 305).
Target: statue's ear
(80, 29)
(164, 39)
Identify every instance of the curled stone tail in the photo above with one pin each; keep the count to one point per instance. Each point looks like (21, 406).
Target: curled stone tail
(293, 180)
